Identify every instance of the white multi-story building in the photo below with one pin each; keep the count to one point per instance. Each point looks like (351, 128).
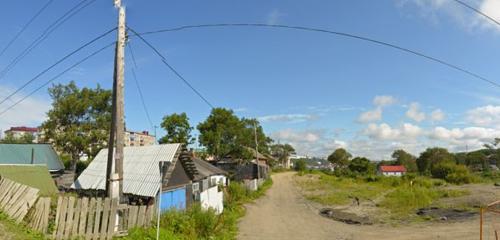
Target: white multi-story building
(18, 132)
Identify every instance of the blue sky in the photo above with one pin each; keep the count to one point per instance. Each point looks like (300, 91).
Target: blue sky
(316, 91)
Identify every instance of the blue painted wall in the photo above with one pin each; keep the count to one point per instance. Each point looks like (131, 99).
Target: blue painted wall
(175, 198)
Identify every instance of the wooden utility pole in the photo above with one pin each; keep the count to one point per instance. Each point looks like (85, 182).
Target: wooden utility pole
(115, 180)
(257, 153)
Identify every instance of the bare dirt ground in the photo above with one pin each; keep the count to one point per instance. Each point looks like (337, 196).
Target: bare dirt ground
(284, 214)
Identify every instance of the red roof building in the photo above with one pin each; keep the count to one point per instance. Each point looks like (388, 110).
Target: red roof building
(397, 170)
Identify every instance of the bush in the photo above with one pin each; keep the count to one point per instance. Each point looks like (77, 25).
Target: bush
(300, 165)
(453, 173)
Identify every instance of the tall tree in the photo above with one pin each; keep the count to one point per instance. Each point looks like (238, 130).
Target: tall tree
(401, 157)
(178, 129)
(79, 120)
(433, 156)
(224, 134)
(361, 165)
(340, 158)
(494, 151)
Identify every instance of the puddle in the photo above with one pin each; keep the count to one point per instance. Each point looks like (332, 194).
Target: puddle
(445, 214)
(344, 217)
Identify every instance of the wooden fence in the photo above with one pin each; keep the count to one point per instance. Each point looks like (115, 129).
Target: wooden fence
(16, 199)
(39, 216)
(98, 218)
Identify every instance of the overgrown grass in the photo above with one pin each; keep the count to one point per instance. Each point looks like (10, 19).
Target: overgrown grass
(396, 197)
(11, 230)
(195, 223)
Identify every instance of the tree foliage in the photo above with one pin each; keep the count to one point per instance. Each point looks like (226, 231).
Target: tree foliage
(340, 158)
(79, 120)
(25, 138)
(225, 135)
(178, 129)
(361, 165)
(433, 156)
(401, 157)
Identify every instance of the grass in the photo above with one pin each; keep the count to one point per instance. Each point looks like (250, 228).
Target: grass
(11, 230)
(396, 198)
(195, 223)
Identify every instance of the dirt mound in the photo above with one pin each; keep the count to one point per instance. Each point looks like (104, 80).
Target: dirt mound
(346, 217)
(445, 214)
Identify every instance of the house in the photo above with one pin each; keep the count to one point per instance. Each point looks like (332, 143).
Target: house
(207, 185)
(397, 170)
(148, 172)
(139, 139)
(241, 170)
(31, 154)
(18, 132)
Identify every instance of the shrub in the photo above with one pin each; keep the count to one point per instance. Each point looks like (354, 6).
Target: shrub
(453, 173)
(300, 165)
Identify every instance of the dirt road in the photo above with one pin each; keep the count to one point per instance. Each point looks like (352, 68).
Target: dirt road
(284, 214)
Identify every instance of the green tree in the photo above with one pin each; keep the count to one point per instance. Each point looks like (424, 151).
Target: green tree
(25, 138)
(431, 157)
(79, 120)
(300, 165)
(361, 165)
(340, 158)
(178, 129)
(223, 134)
(476, 161)
(494, 151)
(401, 157)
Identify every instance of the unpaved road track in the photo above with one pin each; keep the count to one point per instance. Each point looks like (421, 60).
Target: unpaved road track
(284, 214)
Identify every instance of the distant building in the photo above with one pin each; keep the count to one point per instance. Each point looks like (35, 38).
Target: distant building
(397, 170)
(139, 139)
(18, 132)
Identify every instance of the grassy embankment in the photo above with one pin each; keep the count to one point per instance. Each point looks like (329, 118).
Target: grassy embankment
(195, 223)
(393, 198)
(11, 230)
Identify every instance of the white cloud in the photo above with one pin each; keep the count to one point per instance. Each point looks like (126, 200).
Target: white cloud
(484, 116)
(275, 16)
(435, 10)
(376, 114)
(414, 112)
(384, 100)
(371, 116)
(30, 112)
(437, 115)
(405, 132)
(312, 142)
(294, 118)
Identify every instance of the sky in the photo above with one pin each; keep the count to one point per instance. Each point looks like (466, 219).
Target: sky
(315, 91)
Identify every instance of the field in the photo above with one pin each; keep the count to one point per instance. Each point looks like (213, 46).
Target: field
(395, 200)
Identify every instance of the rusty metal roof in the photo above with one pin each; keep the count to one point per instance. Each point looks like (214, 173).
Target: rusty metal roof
(141, 169)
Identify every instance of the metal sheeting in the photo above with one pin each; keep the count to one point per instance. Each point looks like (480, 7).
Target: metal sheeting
(205, 169)
(21, 154)
(141, 170)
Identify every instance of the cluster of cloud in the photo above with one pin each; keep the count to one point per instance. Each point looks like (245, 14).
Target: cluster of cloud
(378, 139)
(376, 114)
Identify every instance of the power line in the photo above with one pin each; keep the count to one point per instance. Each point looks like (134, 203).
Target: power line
(56, 77)
(56, 63)
(477, 11)
(32, 19)
(45, 34)
(139, 87)
(343, 34)
(163, 59)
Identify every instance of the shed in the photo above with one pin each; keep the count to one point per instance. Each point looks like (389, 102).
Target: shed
(397, 170)
(26, 154)
(207, 185)
(141, 169)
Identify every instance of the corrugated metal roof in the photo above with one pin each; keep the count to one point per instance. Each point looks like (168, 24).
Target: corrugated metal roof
(205, 169)
(141, 169)
(21, 154)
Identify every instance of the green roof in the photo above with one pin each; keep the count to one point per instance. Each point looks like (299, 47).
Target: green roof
(21, 154)
(35, 176)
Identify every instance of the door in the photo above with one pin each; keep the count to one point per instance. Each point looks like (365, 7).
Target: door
(174, 198)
